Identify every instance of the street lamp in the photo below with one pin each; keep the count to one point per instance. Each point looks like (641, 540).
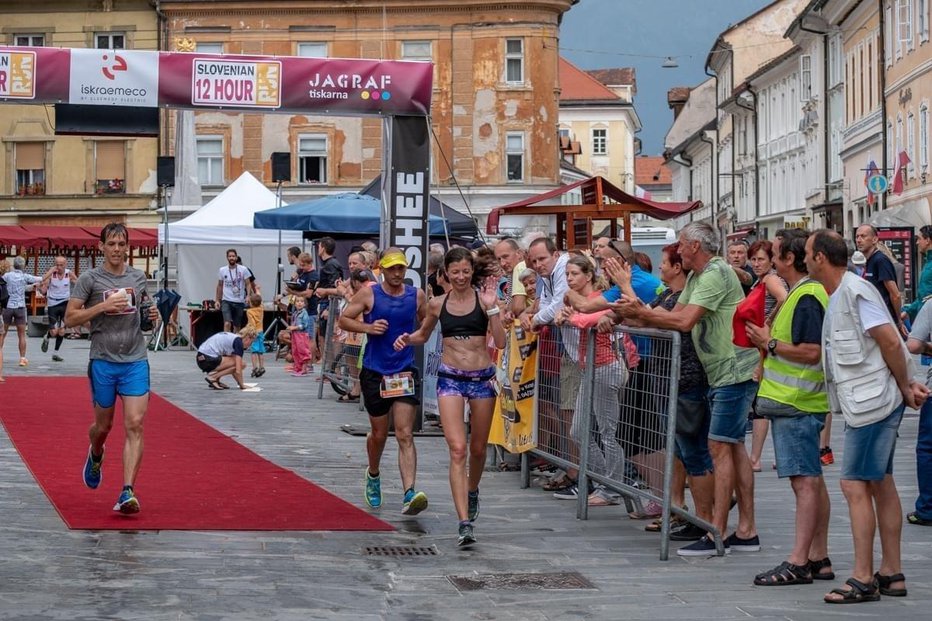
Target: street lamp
(670, 63)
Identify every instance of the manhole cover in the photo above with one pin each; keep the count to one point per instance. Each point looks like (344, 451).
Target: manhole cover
(567, 580)
(401, 550)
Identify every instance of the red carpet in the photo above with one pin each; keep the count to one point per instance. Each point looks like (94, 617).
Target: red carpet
(192, 476)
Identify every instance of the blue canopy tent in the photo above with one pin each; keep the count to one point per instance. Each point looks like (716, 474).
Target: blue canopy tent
(347, 213)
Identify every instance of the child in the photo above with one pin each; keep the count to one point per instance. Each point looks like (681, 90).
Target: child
(301, 329)
(254, 320)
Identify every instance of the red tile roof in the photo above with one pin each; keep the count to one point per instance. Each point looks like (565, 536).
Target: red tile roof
(577, 85)
(649, 170)
(615, 76)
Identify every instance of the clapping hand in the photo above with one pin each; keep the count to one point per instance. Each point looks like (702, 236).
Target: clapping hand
(627, 306)
(619, 272)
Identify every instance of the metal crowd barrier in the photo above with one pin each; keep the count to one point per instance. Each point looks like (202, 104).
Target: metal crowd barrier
(340, 355)
(613, 421)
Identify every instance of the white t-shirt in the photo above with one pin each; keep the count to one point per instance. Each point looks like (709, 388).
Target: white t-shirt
(234, 283)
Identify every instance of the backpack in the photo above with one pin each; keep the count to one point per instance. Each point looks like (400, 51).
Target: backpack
(4, 294)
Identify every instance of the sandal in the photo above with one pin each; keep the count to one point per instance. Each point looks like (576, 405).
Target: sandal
(785, 573)
(214, 384)
(857, 594)
(508, 467)
(816, 567)
(913, 518)
(884, 583)
(348, 399)
(675, 520)
(559, 483)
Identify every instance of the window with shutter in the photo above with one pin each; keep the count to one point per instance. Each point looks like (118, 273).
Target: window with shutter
(110, 163)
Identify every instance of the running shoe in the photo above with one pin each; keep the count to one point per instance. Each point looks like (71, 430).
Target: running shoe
(45, 343)
(473, 505)
(703, 547)
(373, 490)
(826, 456)
(127, 503)
(92, 474)
(736, 543)
(57, 358)
(414, 502)
(467, 537)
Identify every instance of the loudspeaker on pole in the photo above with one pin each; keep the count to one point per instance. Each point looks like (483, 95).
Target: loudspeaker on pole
(281, 166)
(165, 170)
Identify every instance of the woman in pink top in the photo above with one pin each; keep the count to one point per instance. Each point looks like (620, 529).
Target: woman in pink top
(611, 375)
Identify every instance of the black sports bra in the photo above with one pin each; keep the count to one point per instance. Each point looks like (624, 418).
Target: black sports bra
(474, 323)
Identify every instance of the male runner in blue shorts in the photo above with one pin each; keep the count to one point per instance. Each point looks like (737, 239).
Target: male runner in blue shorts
(109, 297)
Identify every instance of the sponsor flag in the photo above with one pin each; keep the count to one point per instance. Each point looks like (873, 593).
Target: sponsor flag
(871, 171)
(902, 161)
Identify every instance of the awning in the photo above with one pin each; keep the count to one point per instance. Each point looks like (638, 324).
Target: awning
(61, 238)
(15, 235)
(595, 191)
(740, 234)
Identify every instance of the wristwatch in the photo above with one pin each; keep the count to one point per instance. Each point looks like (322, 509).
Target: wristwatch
(772, 347)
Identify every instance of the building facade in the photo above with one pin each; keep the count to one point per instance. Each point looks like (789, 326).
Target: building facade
(908, 96)
(494, 108)
(81, 180)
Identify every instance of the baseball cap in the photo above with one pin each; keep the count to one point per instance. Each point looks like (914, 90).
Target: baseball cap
(858, 258)
(392, 259)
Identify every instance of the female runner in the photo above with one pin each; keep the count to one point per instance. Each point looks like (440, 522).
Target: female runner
(467, 315)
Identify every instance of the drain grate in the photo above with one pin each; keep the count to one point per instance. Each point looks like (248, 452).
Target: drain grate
(567, 580)
(402, 550)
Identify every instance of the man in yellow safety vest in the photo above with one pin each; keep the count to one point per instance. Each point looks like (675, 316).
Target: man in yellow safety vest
(792, 395)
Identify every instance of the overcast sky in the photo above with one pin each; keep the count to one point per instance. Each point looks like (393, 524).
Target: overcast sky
(598, 34)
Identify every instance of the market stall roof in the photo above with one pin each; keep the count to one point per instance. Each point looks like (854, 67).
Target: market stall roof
(48, 237)
(346, 213)
(600, 201)
(458, 224)
(15, 235)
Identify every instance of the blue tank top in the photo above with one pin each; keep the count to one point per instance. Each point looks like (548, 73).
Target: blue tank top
(401, 314)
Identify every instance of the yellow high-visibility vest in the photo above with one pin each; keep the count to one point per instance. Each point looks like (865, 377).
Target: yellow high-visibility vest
(801, 386)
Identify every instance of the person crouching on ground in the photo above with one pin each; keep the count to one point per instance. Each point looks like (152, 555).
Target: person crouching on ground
(222, 354)
(254, 316)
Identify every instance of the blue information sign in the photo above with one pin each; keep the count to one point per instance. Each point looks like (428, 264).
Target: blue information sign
(877, 184)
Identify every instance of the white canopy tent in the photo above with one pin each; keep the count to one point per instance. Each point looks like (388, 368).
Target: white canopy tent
(201, 240)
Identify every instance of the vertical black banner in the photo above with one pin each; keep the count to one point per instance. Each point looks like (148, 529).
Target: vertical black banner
(405, 192)
(406, 201)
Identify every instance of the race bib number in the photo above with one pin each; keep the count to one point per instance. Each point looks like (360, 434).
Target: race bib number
(397, 385)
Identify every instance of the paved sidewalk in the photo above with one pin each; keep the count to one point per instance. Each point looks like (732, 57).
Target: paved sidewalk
(49, 572)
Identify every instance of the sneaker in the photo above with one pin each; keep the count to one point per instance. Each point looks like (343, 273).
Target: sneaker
(127, 503)
(414, 502)
(736, 543)
(703, 547)
(826, 456)
(253, 372)
(45, 343)
(473, 505)
(92, 475)
(569, 493)
(373, 490)
(57, 358)
(687, 532)
(467, 537)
